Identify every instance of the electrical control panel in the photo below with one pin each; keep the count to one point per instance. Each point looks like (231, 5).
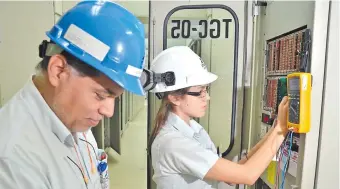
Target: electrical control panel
(285, 54)
(299, 91)
(286, 66)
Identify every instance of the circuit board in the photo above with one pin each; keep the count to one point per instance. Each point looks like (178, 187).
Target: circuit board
(282, 90)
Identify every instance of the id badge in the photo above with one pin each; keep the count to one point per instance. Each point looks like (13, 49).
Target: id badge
(103, 169)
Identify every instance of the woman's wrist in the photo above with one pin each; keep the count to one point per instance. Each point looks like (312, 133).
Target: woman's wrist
(279, 135)
(281, 129)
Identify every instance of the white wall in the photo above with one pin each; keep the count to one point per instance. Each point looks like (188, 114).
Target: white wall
(328, 160)
(22, 29)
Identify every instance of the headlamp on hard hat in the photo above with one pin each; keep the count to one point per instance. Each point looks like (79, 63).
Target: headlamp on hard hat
(149, 79)
(48, 49)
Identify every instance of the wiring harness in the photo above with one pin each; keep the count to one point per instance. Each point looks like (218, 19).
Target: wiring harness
(285, 146)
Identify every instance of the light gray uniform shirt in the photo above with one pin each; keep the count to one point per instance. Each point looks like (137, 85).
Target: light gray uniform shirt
(37, 150)
(182, 155)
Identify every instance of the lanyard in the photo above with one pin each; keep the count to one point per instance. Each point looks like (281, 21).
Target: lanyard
(81, 166)
(93, 169)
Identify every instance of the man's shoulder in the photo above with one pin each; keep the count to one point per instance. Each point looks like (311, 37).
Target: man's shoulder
(15, 123)
(14, 113)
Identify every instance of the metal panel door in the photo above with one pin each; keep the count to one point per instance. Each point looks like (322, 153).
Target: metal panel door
(220, 43)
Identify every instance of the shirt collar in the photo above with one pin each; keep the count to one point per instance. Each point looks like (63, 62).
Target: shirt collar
(188, 130)
(43, 114)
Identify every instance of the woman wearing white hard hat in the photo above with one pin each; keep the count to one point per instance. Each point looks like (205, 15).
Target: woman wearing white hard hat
(183, 155)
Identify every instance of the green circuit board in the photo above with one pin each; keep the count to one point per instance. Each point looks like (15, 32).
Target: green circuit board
(281, 90)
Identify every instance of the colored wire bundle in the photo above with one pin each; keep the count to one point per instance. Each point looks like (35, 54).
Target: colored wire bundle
(280, 155)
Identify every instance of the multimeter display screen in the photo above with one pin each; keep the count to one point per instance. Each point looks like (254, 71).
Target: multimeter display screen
(294, 100)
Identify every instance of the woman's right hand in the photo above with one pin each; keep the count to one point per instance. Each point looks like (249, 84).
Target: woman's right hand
(283, 115)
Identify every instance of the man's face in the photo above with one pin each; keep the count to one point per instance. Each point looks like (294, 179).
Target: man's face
(81, 102)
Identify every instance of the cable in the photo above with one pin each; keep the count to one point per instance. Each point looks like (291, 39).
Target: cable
(286, 164)
(79, 170)
(280, 155)
(278, 159)
(91, 146)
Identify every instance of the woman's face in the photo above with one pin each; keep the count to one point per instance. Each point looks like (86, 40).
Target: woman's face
(193, 103)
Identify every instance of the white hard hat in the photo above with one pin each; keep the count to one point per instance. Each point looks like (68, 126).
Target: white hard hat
(188, 67)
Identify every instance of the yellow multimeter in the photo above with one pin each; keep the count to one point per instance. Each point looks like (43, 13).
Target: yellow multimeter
(299, 87)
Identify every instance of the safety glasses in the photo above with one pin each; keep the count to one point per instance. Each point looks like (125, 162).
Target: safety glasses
(200, 94)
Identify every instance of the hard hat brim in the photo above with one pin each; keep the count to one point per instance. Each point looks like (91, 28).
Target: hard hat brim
(129, 83)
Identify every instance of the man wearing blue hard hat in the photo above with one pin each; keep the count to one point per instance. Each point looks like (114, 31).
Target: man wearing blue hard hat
(95, 52)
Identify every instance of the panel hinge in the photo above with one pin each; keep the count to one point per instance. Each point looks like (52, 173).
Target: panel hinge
(154, 21)
(266, 52)
(256, 5)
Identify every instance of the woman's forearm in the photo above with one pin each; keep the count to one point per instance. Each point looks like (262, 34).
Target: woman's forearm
(258, 145)
(235, 173)
(263, 156)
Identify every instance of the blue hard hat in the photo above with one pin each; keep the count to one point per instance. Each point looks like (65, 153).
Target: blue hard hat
(107, 37)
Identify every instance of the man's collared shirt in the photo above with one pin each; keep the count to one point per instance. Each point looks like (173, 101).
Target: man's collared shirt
(182, 155)
(38, 151)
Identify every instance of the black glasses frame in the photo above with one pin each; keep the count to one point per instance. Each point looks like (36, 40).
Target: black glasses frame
(198, 93)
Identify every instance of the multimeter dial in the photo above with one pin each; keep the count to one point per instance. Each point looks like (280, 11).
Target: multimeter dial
(294, 100)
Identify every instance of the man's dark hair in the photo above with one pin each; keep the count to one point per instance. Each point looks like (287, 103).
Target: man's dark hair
(83, 68)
